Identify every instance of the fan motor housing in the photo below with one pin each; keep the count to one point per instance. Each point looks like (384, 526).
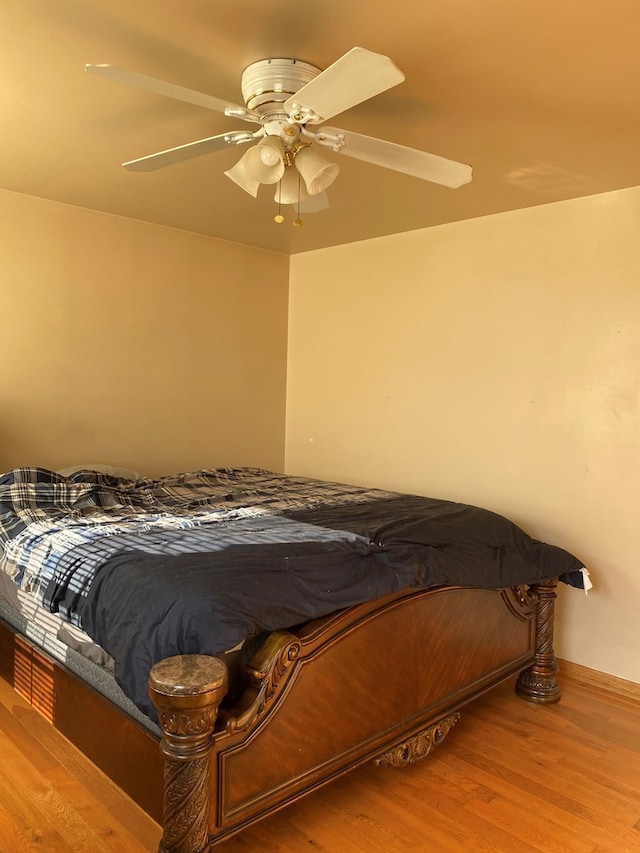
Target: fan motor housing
(268, 83)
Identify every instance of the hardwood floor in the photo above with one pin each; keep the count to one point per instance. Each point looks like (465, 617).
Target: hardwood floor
(510, 777)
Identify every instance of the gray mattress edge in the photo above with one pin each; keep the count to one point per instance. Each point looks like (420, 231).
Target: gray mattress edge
(92, 673)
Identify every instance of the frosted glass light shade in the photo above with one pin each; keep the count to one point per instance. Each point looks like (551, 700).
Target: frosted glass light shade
(291, 188)
(317, 172)
(265, 161)
(242, 178)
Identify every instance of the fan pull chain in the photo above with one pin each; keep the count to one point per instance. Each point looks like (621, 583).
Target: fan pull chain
(297, 222)
(279, 218)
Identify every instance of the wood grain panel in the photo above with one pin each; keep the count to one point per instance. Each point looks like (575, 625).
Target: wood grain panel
(359, 690)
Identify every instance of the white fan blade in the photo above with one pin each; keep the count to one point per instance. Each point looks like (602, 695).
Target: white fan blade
(429, 167)
(186, 152)
(159, 87)
(355, 77)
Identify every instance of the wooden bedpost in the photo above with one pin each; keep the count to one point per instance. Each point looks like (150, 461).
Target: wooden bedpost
(187, 691)
(538, 683)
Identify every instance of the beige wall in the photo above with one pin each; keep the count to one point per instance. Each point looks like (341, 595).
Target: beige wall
(136, 345)
(497, 362)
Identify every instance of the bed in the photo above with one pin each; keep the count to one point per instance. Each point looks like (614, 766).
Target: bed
(226, 641)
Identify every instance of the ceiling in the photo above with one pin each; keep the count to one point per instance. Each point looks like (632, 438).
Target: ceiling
(541, 98)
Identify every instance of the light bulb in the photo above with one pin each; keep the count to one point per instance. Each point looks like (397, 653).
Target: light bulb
(269, 156)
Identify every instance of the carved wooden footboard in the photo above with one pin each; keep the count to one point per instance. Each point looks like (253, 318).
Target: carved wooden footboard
(383, 681)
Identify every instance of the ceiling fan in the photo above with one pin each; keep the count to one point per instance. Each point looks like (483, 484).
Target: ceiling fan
(290, 100)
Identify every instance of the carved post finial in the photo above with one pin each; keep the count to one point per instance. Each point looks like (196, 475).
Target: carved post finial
(187, 690)
(538, 683)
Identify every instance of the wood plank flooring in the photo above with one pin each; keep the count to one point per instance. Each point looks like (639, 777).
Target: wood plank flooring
(510, 777)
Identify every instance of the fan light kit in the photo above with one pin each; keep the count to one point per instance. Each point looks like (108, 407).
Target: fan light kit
(288, 99)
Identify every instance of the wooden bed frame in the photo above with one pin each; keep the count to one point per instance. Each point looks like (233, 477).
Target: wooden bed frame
(383, 681)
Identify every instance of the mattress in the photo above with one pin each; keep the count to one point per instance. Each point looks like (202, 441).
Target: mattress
(66, 644)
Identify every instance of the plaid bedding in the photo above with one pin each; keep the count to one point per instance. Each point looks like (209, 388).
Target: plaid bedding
(35, 494)
(56, 532)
